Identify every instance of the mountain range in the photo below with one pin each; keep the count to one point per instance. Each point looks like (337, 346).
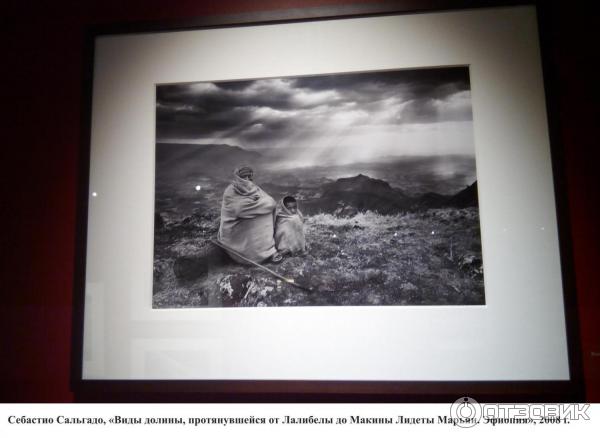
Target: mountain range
(362, 193)
(180, 162)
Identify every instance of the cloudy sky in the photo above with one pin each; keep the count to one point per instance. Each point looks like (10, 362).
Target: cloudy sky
(342, 117)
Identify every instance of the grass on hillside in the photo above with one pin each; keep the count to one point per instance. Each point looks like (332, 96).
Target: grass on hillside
(425, 258)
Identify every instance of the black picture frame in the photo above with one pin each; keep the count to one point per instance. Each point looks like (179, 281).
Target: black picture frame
(325, 391)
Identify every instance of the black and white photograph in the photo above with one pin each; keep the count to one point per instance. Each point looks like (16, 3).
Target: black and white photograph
(346, 189)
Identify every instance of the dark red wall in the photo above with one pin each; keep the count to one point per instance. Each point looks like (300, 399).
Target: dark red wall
(42, 65)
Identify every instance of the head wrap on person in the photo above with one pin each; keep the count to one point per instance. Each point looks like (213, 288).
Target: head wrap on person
(241, 185)
(244, 171)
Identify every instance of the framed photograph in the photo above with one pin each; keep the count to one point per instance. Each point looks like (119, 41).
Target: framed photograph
(265, 194)
(358, 203)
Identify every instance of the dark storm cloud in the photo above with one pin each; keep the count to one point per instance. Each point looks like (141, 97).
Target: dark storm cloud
(270, 109)
(236, 86)
(419, 83)
(218, 97)
(431, 110)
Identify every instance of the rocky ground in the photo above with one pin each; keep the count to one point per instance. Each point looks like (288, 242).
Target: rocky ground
(431, 257)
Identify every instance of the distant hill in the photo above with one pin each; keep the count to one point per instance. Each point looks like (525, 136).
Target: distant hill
(361, 184)
(465, 198)
(176, 161)
(362, 193)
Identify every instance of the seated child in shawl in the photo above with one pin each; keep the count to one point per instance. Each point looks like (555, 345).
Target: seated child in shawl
(289, 227)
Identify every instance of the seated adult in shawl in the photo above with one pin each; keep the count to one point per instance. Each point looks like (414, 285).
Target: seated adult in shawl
(289, 227)
(247, 219)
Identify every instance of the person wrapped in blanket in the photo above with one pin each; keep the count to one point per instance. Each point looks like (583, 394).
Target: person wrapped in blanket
(289, 227)
(247, 219)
